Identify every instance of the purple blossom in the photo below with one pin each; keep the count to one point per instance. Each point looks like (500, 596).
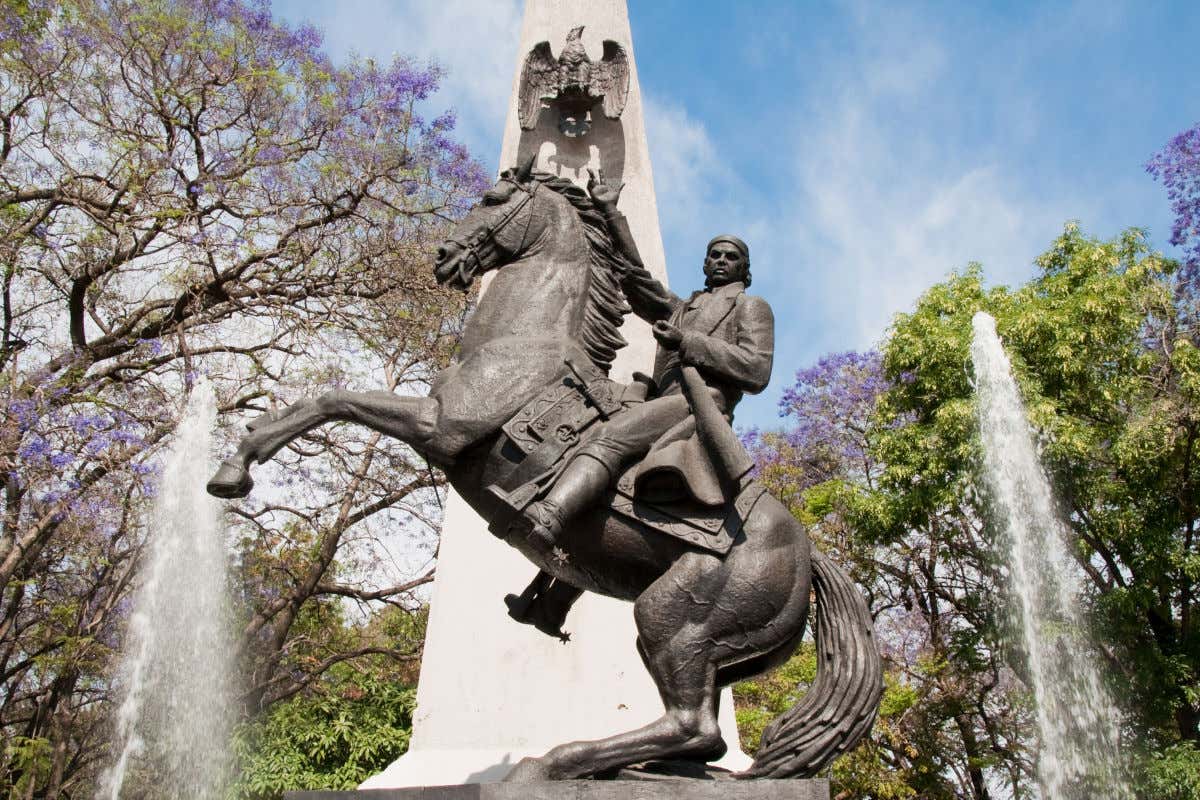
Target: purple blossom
(126, 436)
(97, 444)
(155, 346)
(831, 404)
(35, 449)
(1177, 166)
(405, 81)
(26, 413)
(445, 122)
(82, 423)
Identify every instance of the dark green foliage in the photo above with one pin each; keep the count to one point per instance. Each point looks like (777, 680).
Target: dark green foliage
(347, 728)
(761, 701)
(1171, 774)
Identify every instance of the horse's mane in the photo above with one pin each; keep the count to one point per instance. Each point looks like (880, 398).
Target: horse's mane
(606, 305)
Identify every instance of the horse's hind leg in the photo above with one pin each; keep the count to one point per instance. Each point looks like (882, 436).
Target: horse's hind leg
(676, 643)
(701, 617)
(409, 419)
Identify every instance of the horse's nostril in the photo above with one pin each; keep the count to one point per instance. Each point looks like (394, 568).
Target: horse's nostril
(441, 254)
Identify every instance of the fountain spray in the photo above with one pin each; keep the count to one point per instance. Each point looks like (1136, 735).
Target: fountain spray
(1077, 719)
(174, 718)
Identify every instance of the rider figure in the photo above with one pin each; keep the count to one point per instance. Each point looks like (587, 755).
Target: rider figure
(725, 333)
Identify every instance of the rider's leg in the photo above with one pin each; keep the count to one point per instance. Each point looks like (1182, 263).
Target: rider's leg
(592, 469)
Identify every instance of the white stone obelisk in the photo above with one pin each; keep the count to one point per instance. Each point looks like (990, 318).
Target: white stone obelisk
(493, 691)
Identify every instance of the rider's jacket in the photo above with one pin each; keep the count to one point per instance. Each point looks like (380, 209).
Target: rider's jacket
(728, 335)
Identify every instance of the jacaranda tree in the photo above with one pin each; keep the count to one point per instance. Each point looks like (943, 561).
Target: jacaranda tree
(189, 188)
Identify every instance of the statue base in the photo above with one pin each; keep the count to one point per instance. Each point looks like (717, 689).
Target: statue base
(813, 789)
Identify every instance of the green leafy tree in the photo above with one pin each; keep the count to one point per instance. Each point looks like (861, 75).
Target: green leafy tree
(869, 770)
(1103, 344)
(347, 725)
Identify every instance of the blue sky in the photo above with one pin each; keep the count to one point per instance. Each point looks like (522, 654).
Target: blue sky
(864, 149)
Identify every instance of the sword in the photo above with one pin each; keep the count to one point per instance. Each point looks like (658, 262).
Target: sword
(583, 387)
(717, 436)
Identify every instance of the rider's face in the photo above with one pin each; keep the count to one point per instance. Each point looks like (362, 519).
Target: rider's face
(724, 264)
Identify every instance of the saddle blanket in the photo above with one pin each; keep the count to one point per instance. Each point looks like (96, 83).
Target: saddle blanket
(710, 528)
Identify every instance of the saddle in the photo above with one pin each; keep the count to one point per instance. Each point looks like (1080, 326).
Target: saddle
(544, 433)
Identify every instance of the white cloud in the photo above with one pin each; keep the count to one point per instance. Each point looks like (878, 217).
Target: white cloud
(888, 204)
(698, 194)
(686, 169)
(880, 242)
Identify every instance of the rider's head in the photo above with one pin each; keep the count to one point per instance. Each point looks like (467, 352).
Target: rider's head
(726, 261)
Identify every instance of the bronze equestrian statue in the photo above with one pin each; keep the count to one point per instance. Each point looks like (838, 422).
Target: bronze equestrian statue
(727, 335)
(528, 428)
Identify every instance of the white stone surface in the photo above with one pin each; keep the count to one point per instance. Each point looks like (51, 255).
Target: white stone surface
(492, 691)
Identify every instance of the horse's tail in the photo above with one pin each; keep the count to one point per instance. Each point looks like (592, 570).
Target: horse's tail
(840, 707)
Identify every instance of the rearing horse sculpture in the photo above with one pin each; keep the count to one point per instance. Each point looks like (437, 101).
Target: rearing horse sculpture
(703, 620)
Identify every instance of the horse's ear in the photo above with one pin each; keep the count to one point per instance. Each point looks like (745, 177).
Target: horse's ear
(526, 170)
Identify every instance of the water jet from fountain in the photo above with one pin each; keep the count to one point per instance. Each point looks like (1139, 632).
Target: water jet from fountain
(1077, 720)
(173, 723)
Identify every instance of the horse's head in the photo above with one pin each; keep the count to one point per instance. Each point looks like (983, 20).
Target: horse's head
(496, 230)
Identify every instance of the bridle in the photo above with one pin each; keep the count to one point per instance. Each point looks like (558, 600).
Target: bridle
(470, 251)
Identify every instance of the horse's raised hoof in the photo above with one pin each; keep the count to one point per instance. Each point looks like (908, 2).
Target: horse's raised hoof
(529, 770)
(231, 481)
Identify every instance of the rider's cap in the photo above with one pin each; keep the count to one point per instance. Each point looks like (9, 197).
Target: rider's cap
(733, 240)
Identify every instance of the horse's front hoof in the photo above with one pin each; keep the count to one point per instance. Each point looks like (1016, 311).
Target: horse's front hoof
(529, 770)
(231, 481)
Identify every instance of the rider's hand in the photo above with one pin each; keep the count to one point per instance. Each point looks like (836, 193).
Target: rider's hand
(667, 334)
(603, 194)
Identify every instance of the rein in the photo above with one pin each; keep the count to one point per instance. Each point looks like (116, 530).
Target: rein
(487, 235)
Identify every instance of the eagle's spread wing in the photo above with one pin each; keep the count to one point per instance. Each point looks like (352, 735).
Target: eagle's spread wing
(539, 79)
(610, 77)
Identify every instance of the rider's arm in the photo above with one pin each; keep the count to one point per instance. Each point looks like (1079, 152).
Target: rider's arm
(745, 360)
(647, 296)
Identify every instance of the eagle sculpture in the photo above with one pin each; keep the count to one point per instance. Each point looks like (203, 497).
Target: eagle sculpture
(574, 83)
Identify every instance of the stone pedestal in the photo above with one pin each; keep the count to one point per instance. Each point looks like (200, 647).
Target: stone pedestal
(817, 789)
(492, 691)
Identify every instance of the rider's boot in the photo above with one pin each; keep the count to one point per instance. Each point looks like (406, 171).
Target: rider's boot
(580, 485)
